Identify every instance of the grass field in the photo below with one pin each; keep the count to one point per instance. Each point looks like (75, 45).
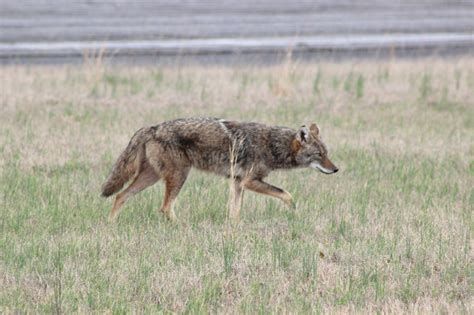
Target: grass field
(391, 232)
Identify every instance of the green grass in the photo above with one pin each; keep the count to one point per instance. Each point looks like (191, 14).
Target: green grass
(391, 232)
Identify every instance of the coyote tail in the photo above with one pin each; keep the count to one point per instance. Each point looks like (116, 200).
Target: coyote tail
(128, 162)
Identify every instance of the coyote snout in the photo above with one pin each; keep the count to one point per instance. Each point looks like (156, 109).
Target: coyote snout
(245, 152)
(325, 166)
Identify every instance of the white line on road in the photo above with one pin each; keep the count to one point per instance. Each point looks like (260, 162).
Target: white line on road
(239, 44)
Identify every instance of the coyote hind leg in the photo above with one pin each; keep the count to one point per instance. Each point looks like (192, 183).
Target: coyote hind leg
(174, 182)
(144, 179)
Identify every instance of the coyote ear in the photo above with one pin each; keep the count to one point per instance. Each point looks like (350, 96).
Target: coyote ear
(314, 129)
(303, 134)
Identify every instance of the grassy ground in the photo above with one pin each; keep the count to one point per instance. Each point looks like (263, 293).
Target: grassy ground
(390, 232)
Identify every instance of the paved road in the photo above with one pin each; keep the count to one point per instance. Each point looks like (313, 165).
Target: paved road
(61, 28)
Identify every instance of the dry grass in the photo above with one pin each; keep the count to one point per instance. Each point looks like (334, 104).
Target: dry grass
(390, 232)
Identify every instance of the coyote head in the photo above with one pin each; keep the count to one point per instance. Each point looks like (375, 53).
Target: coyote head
(311, 151)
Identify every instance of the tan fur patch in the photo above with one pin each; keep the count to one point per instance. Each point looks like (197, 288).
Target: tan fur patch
(314, 130)
(295, 146)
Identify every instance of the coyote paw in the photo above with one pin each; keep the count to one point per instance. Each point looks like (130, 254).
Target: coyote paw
(111, 218)
(171, 216)
(292, 205)
(288, 200)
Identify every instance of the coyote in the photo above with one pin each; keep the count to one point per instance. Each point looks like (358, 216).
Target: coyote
(243, 151)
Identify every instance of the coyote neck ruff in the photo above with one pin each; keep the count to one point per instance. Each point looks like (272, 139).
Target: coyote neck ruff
(244, 151)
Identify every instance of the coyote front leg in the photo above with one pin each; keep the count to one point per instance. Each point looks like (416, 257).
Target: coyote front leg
(236, 196)
(262, 187)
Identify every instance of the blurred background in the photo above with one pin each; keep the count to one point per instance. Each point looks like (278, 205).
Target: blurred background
(59, 31)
